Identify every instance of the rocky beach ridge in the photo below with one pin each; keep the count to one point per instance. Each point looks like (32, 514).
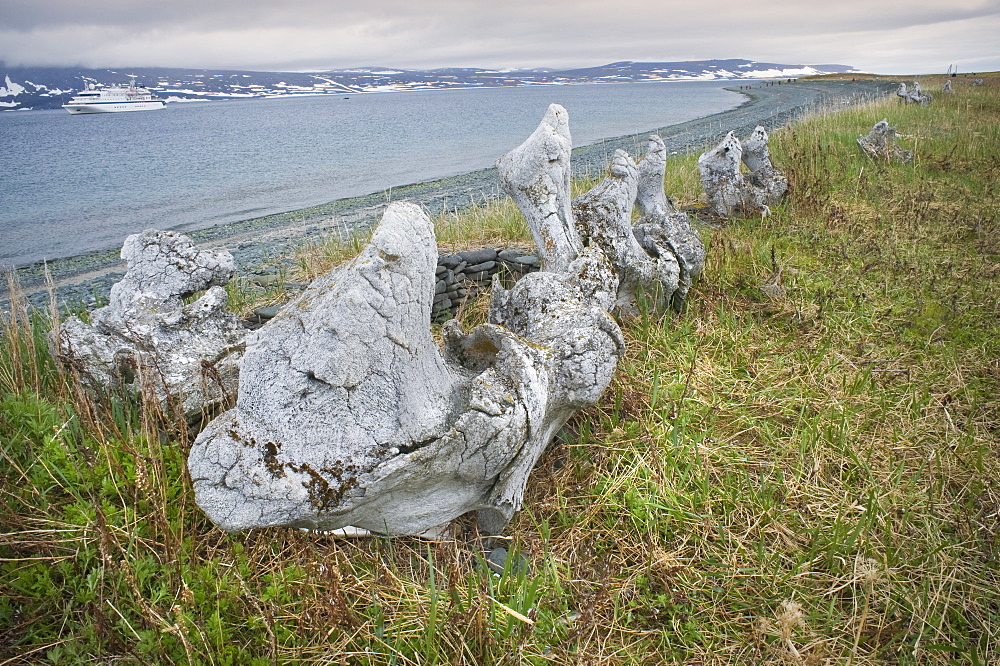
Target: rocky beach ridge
(83, 278)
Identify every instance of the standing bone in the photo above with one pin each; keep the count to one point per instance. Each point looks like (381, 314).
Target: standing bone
(757, 156)
(604, 218)
(651, 198)
(185, 356)
(880, 144)
(918, 96)
(536, 175)
(728, 191)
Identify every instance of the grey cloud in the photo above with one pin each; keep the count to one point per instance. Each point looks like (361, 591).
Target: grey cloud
(558, 33)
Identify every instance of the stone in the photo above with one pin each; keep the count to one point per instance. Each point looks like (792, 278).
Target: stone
(183, 357)
(650, 197)
(604, 220)
(528, 260)
(478, 268)
(880, 144)
(266, 280)
(536, 175)
(510, 254)
(472, 257)
(450, 261)
(348, 414)
(268, 311)
(946, 88)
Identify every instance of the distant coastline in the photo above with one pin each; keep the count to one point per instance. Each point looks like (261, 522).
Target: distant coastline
(27, 88)
(250, 241)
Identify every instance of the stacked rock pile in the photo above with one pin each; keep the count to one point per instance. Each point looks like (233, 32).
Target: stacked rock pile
(462, 275)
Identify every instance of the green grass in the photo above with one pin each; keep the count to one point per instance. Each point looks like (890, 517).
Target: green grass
(805, 474)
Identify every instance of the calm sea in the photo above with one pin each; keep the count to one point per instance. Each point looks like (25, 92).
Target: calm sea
(72, 184)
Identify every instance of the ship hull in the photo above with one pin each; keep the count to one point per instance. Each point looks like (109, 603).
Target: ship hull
(113, 107)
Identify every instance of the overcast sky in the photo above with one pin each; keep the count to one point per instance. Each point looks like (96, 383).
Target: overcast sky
(884, 36)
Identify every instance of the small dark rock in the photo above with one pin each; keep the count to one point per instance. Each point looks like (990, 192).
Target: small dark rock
(484, 266)
(478, 256)
(265, 280)
(268, 312)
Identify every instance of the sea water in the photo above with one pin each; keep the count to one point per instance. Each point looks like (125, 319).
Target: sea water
(70, 184)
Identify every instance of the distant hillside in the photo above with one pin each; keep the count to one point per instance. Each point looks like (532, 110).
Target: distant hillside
(26, 88)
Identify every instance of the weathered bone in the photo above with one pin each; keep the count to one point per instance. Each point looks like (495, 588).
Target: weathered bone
(604, 219)
(914, 96)
(757, 157)
(536, 175)
(348, 415)
(918, 96)
(946, 88)
(186, 355)
(651, 198)
(666, 236)
(729, 191)
(880, 144)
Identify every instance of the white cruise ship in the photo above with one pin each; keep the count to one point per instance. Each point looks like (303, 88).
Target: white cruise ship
(116, 98)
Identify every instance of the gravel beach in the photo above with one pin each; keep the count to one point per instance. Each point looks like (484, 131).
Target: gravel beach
(79, 279)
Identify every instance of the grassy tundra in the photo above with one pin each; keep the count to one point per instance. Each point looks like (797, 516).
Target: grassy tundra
(802, 468)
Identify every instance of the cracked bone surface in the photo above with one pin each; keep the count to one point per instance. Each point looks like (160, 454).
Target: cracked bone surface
(186, 356)
(880, 144)
(603, 218)
(348, 414)
(536, 175)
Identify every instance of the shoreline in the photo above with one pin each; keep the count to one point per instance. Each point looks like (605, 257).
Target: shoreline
(252, 241)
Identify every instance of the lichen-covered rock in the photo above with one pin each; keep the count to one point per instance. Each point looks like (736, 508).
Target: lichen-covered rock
(880, 144)
(348, 414)
(186, 357)
(604, 219)
(536, 175)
